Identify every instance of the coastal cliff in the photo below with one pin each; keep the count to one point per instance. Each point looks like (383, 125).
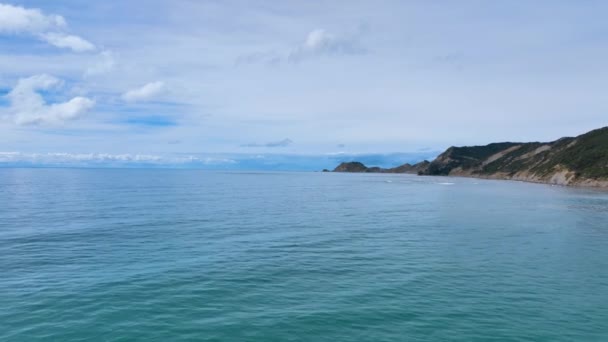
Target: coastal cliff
(578, 161)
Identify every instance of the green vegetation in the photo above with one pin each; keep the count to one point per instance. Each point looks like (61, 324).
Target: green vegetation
(359, 167)
(588, 157)
(351, 167)
(585, 156)
(569, 160)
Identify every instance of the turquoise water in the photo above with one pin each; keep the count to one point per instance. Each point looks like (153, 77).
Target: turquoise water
(183, 255)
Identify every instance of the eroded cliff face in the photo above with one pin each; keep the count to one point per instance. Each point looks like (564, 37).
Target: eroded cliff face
(580, 161)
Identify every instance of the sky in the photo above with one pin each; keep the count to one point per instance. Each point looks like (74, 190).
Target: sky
(221, 83)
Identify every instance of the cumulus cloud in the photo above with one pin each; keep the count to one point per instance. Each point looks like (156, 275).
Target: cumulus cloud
(16, 19)
(47, 27)
(28, 107)
(144, 93)
(281, 143)
(320, 42)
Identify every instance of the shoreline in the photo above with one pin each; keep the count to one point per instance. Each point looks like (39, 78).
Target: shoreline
(529, 181)
(573, 186)
(578, 162)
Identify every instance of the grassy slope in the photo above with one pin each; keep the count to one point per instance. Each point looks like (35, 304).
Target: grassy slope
(586, 155)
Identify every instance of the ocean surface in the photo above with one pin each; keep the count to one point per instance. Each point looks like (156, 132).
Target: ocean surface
(187, 255)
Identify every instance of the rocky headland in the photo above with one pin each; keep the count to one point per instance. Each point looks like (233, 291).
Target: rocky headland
(360, 167)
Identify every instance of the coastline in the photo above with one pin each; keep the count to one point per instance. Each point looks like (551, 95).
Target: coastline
(603, 188)
(592, 185)
(580, 162)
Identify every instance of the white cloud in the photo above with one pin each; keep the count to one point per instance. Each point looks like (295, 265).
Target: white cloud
(326, 98)
(321, 42)
(28, 107)
(16, 19)
(75, 43)
(105, 63)
(47, 27)
(318, 39)
(318, 42)
(144, 93)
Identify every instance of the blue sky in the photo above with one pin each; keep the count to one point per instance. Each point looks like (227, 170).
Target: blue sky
(228, 80)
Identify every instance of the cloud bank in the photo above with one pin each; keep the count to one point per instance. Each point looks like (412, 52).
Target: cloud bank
(8, 159)
(231, 161)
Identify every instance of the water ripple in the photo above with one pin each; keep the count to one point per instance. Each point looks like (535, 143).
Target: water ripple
(190, 255)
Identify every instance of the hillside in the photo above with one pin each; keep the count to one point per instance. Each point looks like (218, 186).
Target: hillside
(360, 167)
(580, 161)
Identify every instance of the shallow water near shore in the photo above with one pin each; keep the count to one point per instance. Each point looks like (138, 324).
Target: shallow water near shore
(111, 254)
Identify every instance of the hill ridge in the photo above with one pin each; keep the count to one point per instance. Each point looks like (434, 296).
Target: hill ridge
(579, 161)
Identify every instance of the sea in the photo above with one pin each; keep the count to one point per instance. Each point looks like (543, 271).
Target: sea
(194, 255)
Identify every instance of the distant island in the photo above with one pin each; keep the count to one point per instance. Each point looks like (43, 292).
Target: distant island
(578, 161)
